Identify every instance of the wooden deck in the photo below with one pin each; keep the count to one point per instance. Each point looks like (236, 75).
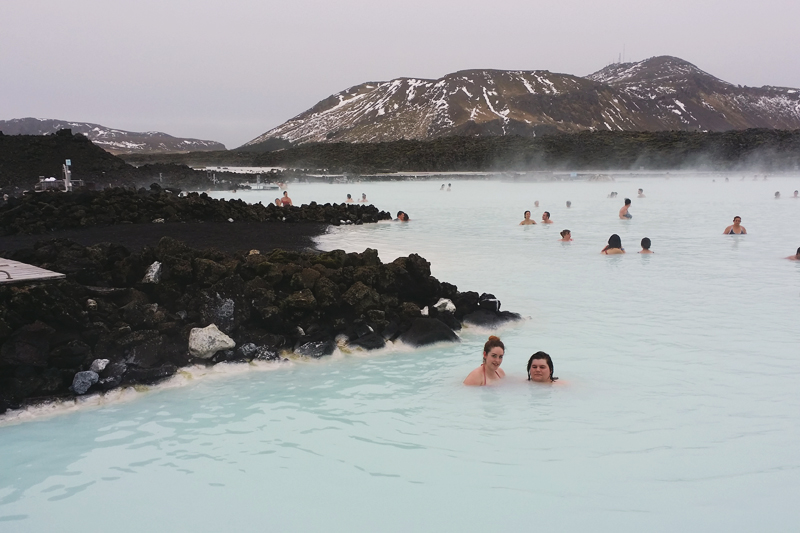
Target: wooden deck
(16, 272)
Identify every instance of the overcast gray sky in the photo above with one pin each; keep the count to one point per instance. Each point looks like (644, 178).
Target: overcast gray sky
(229, 71)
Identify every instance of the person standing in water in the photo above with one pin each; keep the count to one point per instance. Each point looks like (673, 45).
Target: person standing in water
(777, 195)
(527, 221)
(623, 213)
(641, 194)
(546, 218)
(796, 194)
(736, 228)
(363, 199)
(540, 368)
(489, 372)
(614, 246)
(536, 203)
(566, 235)
(349, 199)
(286, 201)
(448, 187)
(569, 204)
(646, 246)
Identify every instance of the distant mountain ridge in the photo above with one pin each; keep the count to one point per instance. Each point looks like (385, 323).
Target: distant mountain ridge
(657, 94)
(112, 140)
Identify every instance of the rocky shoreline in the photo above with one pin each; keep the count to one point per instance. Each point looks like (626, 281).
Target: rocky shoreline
(123, 318)
(46, 212)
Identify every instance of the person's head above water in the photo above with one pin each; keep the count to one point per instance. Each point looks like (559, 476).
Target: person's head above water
(493, 351)
(614, 241)
(569, 204)
(777, 194)
(527, 214)
(349, 197)
(546, 215)
(627, 201)
(737, 219)
(540, 368)
(565, 233)
(641, 191)
(286, 193)
(536, 203)
(646, 243)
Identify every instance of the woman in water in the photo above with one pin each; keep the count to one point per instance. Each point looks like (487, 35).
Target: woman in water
(527, 221)
(736, 228)
(795, 257)
(286, 201)
(566, 236)
(540, 368)
(489, 371)
(614, 246)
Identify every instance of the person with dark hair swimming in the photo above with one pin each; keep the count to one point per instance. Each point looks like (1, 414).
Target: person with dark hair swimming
(566, 235)
(489, 372)
(546, 217)
(641, 194)
(646, 246)
(796, 193)
(527, 221)
(349, 199)
(614, 246)
(736, 228)
(623, 212)
(540, 368)
(795, 257)
(401, 217)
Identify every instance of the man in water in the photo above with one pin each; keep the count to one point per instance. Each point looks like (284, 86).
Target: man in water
(546, 218)
(527, 221)
(623, 213)
(795, 257)
(646, 246)
(641, 194)
(349, 199)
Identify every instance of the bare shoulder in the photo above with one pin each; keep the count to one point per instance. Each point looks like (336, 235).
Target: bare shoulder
(475, 377)
(501, 372)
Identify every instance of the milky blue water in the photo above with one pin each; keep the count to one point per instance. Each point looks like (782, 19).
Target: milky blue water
(678, 407)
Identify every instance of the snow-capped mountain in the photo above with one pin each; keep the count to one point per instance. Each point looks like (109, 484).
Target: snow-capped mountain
(111, 140)
(660, 93)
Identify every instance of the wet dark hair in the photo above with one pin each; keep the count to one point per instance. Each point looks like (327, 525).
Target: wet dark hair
(798, 251)
(565, 232)
(646, 243)
(349, 196)
(525, 213)
(627, 201)
(547, 359)
(493, 342)
(641, 190)
(737, 216)
(547, 213)
(614, 241)
(400, 213)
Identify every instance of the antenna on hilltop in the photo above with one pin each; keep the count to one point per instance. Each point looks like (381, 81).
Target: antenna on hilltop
(623, 53)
